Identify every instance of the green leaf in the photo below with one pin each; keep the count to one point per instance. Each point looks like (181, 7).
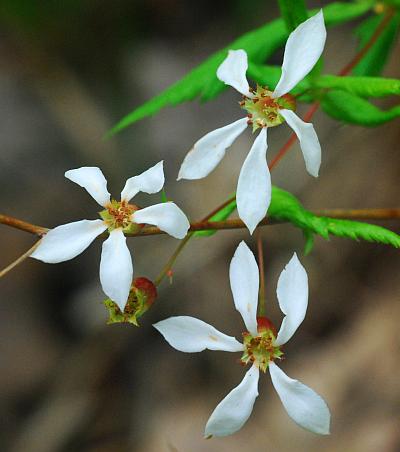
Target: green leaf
(294, 12)
(222, 215)
(309, 241)
(163, 196)
(353, 109)
(285, 207)
(259, 44)
(361, 86)
(375, 59)
(269, 76)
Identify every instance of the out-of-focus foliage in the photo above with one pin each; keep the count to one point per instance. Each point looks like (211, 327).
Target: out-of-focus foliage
(259, 44)
(348, 107)
(294, 12)
(375, 59)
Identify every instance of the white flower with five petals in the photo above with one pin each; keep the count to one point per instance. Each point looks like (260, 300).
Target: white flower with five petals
(116, 270)
(265, 109)
(261, 347)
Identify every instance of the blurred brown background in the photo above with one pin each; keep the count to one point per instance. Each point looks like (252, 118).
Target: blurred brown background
(69, 70)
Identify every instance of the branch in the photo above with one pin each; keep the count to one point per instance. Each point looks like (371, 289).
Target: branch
(236, 223)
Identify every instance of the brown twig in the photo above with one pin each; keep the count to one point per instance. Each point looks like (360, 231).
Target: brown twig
(235, 223)
(19, 260)
(22, 225)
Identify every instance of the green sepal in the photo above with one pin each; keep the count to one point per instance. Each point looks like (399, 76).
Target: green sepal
(135, 307)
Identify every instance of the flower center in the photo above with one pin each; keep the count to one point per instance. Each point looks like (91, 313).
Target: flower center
(263, 109)
(118, 215)
(141, 296)
(260, 350)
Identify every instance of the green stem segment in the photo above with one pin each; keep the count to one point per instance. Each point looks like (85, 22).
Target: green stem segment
(261, 293)
(171, 261)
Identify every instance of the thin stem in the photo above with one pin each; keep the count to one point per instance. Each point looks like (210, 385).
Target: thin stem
(22, 225)
(261, 293)
(19, 260)
(171, 260)
(358, 57)
(360, 214)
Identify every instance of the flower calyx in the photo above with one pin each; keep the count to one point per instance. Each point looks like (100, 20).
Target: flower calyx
(263, 110)
(141, 296)
(118, 214)
(261, 350)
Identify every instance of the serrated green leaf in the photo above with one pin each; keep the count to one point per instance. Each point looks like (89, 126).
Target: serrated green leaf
(294, 12)
(259, 44)
(285, 207)
(361, 86)
(309, 241)
(353, 109)
(222, 215)
(375, 59)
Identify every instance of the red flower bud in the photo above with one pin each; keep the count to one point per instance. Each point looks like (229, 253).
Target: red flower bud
(264, 323)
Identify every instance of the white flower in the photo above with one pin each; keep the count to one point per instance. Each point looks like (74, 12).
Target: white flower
(265, 109)
(67, 241)
(261, 347)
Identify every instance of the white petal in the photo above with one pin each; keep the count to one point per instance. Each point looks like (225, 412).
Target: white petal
(190, 335)
(150, 181)
(93, 181)
(302, 404)
(232, 71)
(209, 150)
(253, 194)
(244, 278)
(308, 138)
(292, 292)
(303, 49)
(167, 216)
(233, 411)
(68, 240)
(116, 268)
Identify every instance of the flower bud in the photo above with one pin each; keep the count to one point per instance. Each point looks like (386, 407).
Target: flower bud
(264, 324)
(141, 296)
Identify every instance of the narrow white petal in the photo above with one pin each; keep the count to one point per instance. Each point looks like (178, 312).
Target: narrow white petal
(302, 404)
(116, 268)
(93, 181)
(303, 49)
(68, 240)
(210, 150)
(292, 292)
(232, 71)
(308, 138)
(244, 278)
(150, 181)
(253, 194)
(190, 335)
(167, 216)
(233, 411)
